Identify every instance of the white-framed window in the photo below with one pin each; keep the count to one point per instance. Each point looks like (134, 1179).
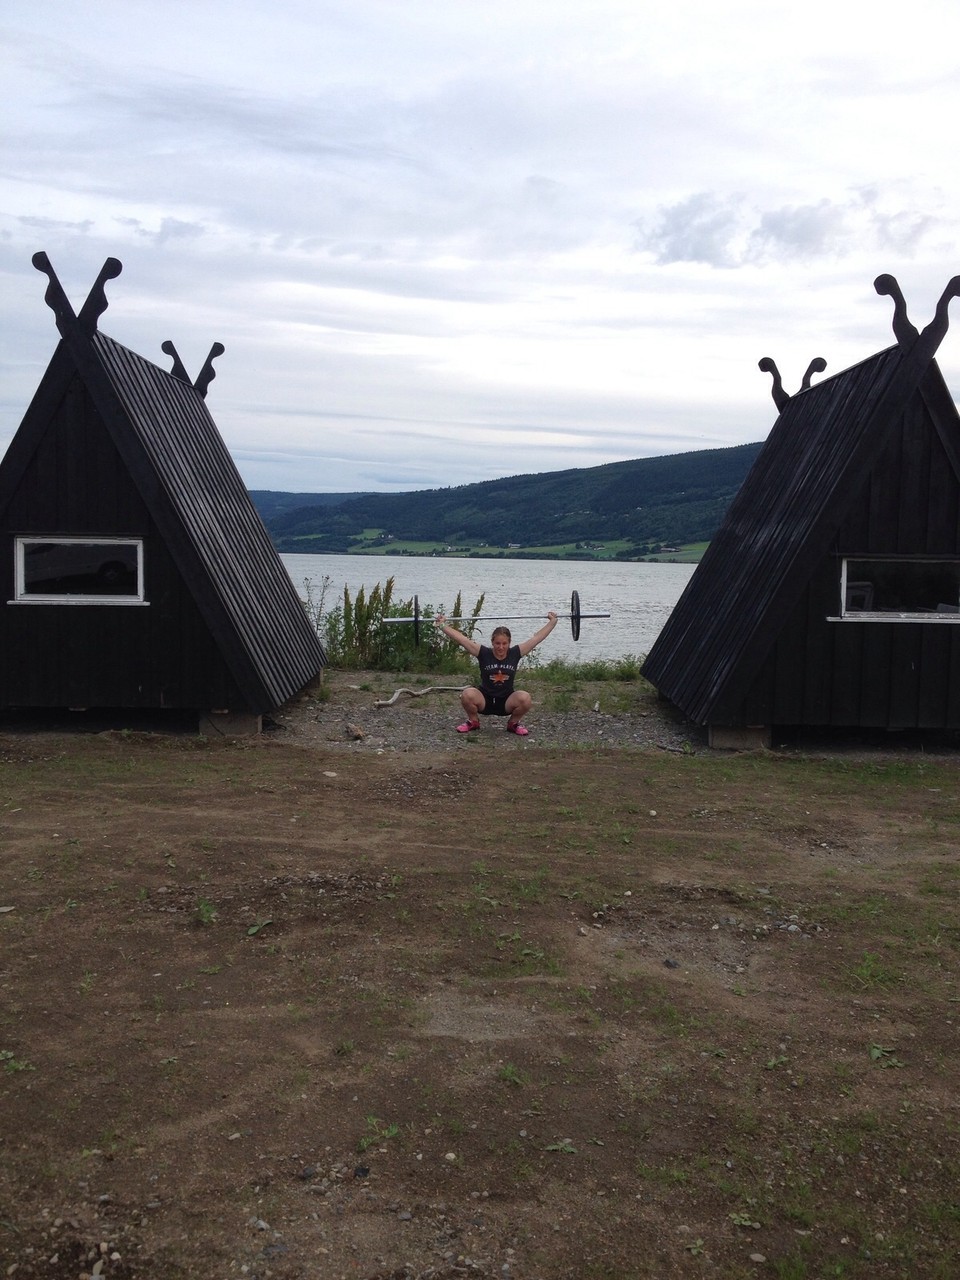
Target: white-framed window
(899, 589)
(81, 570)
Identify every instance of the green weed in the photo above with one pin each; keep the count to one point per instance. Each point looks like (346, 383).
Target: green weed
(11, 1063)
(870, 973)
(510, 1074)
(377, 1131)
(206, 911)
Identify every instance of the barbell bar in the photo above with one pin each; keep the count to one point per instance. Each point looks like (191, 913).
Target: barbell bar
(575, 615)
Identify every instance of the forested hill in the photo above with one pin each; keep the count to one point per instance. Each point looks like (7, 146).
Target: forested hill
(680, 498)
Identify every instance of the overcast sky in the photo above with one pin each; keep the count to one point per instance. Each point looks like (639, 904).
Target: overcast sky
(446, 241)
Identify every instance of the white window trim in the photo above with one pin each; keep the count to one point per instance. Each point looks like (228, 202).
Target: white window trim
(928, 619)
(863, 615)
(123, 602)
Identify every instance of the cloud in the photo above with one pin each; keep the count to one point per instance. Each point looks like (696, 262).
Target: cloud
(56, 225)
(725, 232)
(801, 231)
(169, 229)
(702, 228)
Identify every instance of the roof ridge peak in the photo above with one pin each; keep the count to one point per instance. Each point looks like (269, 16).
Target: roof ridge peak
(923, 344)
(58, 302)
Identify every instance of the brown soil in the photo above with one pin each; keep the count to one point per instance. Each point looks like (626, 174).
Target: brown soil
(320, 1005)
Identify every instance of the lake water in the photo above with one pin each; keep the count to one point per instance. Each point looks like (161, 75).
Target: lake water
(639, 597)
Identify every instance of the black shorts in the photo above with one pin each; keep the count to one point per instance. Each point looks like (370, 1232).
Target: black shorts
(494, 705)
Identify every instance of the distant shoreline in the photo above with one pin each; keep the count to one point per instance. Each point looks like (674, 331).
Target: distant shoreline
(691, 554)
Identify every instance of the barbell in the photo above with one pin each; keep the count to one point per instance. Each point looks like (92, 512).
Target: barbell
(575, 615)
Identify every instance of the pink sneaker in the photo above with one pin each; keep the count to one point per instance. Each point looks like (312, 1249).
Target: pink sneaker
(468, 726)
(520, 730)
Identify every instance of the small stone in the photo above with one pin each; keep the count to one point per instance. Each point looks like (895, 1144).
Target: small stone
(451, 1156)
(758, 1257)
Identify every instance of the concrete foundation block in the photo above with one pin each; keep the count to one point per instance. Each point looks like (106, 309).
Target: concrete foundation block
(752, 737)
(229, 724)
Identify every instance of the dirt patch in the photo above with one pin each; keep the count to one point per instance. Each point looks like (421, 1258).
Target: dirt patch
(312, 1005)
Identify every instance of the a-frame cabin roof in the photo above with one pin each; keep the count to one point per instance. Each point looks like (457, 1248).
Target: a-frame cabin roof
(785, 517)
(175, 456)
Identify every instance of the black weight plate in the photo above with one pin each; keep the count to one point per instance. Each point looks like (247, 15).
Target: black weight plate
(575, 615)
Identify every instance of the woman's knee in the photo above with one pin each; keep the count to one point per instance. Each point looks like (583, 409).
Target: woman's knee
(472, 700)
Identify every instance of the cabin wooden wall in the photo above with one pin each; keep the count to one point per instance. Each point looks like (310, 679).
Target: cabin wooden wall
(873, 674)
(156, 655)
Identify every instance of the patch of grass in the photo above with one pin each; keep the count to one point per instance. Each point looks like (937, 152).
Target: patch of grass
(530, 888)
(510, 1074)
(871, 973)
(12, 1064)
(562, 671)
(206, 912)
(526, 958)
(670, 1174)
(941, 880)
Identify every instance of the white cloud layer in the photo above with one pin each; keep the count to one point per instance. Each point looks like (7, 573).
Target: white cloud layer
(449, 242)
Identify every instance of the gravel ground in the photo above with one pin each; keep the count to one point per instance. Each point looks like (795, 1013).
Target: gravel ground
(350, 720)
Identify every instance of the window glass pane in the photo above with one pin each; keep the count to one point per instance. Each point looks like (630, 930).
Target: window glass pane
(902, 586)
(80, 569)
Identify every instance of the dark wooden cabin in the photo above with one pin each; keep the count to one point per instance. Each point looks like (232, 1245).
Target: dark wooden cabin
(136, 572)
(830, 595)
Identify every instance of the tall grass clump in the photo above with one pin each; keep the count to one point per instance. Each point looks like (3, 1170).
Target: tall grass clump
(357, 637)
(563, 671)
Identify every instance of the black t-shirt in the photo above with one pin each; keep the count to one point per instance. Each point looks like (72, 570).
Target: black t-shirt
(496, 678)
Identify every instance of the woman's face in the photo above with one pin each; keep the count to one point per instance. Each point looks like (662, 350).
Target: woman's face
(500, 645)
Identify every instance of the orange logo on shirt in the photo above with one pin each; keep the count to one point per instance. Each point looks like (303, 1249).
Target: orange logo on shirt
(499, 677)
